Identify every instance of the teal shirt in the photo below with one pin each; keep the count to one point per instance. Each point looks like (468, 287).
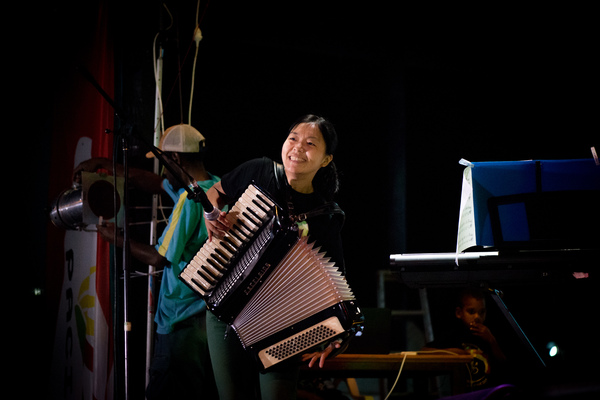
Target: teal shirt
(180, 241)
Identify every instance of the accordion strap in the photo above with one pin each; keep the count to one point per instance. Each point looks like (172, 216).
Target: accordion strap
(330, 208)
(279, 175)
(327, 208)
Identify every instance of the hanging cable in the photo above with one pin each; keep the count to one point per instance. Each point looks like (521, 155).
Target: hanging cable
(407, 353)
(157, 78)
(397, 377)
(197, 39)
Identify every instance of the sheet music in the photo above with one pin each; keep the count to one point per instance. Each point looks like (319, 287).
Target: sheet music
(466, 219)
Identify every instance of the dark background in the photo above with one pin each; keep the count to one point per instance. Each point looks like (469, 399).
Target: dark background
(411, 89)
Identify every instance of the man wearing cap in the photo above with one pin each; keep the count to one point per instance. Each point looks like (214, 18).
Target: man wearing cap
(180, 365)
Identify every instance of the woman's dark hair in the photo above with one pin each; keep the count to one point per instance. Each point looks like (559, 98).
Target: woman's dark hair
(326, 181)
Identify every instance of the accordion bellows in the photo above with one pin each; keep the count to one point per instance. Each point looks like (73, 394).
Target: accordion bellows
(303, 283)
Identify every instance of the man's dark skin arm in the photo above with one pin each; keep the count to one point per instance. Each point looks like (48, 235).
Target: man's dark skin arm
(143, 252)
(146, 181)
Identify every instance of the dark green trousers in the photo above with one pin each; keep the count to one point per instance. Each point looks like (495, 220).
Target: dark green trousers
(236, 374)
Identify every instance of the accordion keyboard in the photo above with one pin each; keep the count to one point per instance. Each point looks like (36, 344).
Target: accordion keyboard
(252, 210)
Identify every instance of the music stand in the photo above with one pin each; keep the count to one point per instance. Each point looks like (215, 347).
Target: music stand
(497, 297)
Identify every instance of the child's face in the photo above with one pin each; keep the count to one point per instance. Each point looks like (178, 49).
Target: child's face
(472, 312)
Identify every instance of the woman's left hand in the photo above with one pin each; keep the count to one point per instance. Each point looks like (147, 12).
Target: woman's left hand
(321, 356)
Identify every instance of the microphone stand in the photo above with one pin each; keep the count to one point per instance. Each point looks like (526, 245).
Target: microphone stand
(194, 191)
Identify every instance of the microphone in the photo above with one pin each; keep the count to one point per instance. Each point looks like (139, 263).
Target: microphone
(212, 215)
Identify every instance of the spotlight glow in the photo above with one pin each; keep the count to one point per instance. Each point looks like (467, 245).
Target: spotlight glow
(552, 349)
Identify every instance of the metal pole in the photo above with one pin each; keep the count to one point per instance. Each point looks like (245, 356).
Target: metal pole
(153, 223)
(126, 321)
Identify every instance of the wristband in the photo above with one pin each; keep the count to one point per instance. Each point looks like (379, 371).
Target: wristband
(213, 215)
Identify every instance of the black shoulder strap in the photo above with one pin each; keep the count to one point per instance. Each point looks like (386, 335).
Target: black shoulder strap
(330, 208)
(279, 175)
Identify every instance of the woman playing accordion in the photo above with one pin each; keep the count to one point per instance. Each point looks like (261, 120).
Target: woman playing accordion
(304, 188)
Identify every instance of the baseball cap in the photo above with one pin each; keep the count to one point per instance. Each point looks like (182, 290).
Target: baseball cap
(182, 138)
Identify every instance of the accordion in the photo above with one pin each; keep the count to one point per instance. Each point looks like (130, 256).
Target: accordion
(281, 295)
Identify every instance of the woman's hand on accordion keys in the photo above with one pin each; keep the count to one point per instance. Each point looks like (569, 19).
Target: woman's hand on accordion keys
(321, 356)
(217, 227)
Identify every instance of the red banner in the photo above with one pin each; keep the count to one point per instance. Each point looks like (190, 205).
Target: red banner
(78, 274)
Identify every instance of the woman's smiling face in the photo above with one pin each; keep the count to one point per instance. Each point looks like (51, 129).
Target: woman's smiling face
(304, 152)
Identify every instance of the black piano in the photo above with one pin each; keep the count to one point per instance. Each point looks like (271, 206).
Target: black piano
(494, 267)
(524, 221)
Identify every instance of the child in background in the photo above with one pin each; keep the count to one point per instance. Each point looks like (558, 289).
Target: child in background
(470, 335)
